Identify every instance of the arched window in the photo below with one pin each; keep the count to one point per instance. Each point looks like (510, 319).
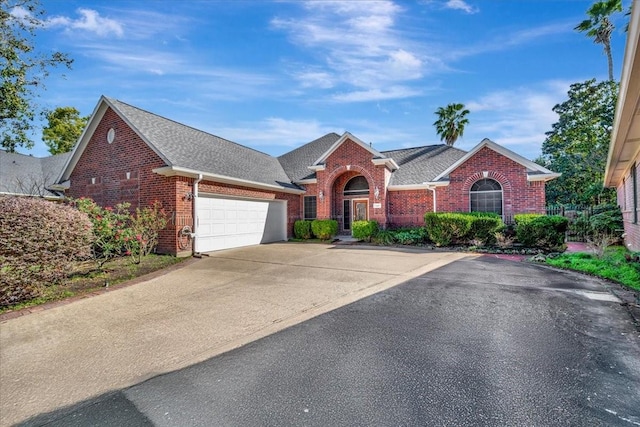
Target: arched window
(486, 196)
(357, 185)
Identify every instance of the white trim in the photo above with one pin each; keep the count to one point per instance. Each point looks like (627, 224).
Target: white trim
(316, 168)
(191, 173)
(423, 186)
(542, 176)
(387, 161)
(347, 135)
(626, 108)
(6, 193)
(500, 150)
(306, 181)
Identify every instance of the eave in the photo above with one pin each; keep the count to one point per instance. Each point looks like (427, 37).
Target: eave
(208, 176)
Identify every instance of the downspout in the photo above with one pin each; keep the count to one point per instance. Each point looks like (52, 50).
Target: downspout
(433, 190)
(195, 215)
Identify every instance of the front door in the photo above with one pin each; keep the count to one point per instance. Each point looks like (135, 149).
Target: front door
(360, 210)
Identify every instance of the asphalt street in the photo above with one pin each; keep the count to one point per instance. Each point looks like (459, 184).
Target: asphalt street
(479, 341)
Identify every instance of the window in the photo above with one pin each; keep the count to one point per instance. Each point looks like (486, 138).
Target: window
(486, 196)
(357, 186)
(310, 207)
(634, 188)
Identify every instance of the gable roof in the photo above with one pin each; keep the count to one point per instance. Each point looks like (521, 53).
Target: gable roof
(378, 157)
(296, 163)
(422, 164)
(188, 151)
(535, 172)
(25, 175)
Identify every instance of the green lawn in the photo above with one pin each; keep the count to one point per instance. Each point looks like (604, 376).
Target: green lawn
(617, 264)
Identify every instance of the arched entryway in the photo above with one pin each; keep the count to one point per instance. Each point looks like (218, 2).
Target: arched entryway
(351, 195)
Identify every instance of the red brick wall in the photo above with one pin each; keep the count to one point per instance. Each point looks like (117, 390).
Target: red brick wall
(625, 201)
(101, 174)
(109, 163)
(407, 208)
(519, 195)
(349, 160)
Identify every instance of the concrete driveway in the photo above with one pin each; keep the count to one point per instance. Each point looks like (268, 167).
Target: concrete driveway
(60, 356)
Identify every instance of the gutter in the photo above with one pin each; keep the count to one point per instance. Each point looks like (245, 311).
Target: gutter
(433, 190)
(194, 232)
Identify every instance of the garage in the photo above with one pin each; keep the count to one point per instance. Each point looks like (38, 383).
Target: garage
(227, 222)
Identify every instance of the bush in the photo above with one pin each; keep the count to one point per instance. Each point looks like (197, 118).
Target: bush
(446, 228)
(384, 237)
(364, 230)
(411, 236)
(302, 229)
(484, 228)
(324, 229)
(545, 232)
(117, 232)
(39, 240)
(524, 218)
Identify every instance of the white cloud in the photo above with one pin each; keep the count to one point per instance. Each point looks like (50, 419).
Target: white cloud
(359, 48)
(460, 5)
(525, 114)
(275, 131)
(376, 94)
(89, 21)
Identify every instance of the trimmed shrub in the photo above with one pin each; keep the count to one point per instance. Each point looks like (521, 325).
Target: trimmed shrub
(524, 218)
(39, 241)
(364, 230)
(447, 228)
(545, 232)
(324, 229)
(484, 228)
(302, 229)
(411, 236)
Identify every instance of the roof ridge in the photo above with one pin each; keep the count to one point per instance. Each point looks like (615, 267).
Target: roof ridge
(189, 126)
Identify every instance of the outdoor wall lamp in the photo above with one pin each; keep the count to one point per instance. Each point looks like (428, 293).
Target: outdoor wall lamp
(321, 195)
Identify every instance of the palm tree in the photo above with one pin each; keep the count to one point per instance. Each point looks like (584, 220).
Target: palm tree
(451, 122)
(599, 26)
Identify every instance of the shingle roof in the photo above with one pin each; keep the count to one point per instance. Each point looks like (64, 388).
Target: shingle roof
(28, 175)
(422, 164)
(295, 163)
(186, 147)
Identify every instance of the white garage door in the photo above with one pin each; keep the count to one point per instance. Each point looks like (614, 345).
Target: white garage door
(225, 223)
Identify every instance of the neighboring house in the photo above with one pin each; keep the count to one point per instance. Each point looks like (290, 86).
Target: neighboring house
(624, 151)
(23, 175)
(242, 196)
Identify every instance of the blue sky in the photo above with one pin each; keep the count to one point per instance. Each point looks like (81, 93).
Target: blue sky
(275, 75)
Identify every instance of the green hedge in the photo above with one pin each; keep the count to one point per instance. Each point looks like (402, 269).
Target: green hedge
(447, 228)
(324, 229)
(525, 217)
(364, 230)
(484, 228)
(545, 232)
(302, 229)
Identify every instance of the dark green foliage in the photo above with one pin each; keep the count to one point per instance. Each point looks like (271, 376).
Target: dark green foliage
(64, 128)
(484, 228)
(23, 70)
(411, 236)
(302, 229)
(447, 228)
(39, 240)
(525, 218)
(385, 237)
(606, 219)
(364, 230)
(324, 229)
(545, 232)
(578, 144)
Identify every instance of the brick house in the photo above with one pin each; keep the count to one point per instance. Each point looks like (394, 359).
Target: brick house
(624, 150)
(243, 197)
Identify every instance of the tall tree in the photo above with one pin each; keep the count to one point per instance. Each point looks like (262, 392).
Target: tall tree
(578, 144)
(598, 26)
(451, 122)
(22, 69)
(64, 128)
